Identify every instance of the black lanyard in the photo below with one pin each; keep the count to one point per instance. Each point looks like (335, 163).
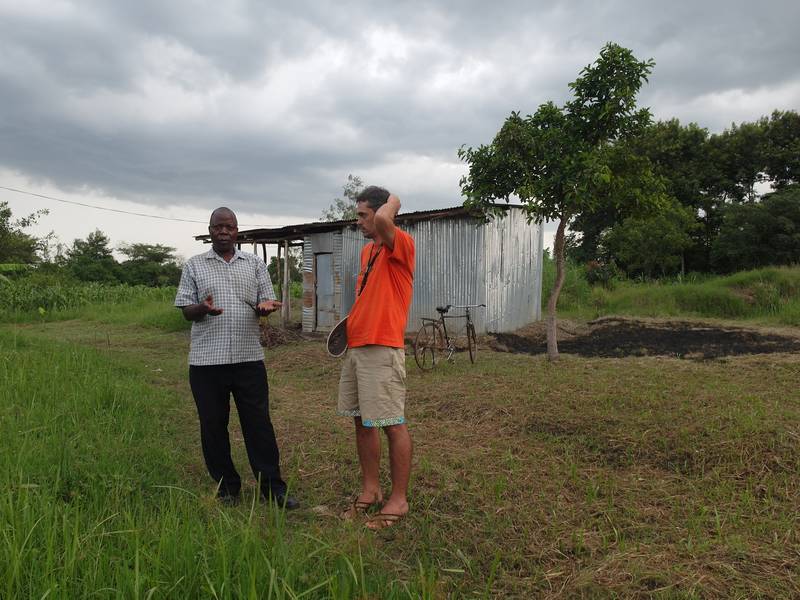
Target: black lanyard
(370, 262)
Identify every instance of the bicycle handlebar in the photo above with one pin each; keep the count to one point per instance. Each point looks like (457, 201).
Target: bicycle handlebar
(467, 306)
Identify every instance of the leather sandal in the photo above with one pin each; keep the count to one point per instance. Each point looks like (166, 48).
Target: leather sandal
(356, 510)
(383, 520)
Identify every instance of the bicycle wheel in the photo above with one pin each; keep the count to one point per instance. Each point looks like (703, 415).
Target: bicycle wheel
(427, 346)
(472, 343)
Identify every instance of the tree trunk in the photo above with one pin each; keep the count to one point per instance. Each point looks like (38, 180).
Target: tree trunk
(278, 276)
(552, 301)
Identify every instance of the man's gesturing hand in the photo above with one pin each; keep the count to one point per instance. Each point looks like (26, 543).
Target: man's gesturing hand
(267, 307)
(196, 312)
(210, 309)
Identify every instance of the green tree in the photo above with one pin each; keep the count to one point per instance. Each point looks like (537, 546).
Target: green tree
(295, 267)
(344, 209)
(782, 150)
(680, 155)
(16, 246)
(739, 155)
(652, 245)
(565, 161)
(91, 259)
(153, 265)
(761, 233)
(705, 173)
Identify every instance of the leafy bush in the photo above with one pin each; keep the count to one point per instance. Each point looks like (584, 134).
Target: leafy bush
(604, 273)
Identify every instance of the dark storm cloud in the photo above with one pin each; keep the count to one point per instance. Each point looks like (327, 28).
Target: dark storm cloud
(187, 102)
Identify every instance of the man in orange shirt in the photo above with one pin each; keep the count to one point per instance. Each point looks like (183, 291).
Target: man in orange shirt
(372, 387)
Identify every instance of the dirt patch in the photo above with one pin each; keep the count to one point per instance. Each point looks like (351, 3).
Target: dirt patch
(271, 336)
(615, 337)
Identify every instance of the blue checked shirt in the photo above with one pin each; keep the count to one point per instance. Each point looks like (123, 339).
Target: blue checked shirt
(233, 336)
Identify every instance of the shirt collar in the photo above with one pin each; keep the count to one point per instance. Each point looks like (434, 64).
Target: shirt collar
(213, 255)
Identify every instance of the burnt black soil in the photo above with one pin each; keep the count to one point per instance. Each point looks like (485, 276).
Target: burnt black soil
(615, 338)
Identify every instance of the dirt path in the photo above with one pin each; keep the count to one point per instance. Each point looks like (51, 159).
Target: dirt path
(616, 337)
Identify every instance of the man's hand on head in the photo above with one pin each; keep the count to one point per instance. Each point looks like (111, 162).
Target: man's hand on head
(384, 220)
(268, 307)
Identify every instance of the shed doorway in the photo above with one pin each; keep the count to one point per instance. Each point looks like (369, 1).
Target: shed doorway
(325, 301)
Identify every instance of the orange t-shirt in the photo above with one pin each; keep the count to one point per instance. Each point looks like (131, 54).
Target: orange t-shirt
(380, 313)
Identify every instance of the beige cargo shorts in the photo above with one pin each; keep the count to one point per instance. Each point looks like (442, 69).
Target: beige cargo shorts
(373, 385)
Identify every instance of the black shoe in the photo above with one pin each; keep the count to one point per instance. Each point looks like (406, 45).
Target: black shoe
(283, 501)
(228, 499)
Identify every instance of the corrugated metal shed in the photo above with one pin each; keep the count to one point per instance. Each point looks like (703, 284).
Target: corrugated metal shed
(458, 261)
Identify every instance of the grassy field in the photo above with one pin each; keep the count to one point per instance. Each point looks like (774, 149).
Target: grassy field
(625, 477)
(769, 296)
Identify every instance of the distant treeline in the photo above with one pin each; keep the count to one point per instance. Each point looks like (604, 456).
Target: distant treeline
(86, 260)
(734, 203)
(92, 259)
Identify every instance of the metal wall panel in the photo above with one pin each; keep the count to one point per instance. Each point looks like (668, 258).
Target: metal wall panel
(322, 242)
(513, 258)
(449, 269)
(352, 243)
(309, 314)
(337, 276)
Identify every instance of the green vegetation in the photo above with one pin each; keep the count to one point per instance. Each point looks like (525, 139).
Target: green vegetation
(768, 295)
(96, 499)
(567, 161)
(43, 296)
(725, 224)
(647, 476)
(89, 260)
(147, 264)
(16, 246)
(344, 208)
(763, 233)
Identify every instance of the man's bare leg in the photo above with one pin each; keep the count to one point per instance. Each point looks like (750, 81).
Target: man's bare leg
(400, 450)
(368, 444)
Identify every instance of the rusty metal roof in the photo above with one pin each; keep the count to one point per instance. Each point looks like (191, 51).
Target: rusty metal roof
(298, 232)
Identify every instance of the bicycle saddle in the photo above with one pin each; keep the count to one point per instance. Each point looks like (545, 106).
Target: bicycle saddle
(443, 309)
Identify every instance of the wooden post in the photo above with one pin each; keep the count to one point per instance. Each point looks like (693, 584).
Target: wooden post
(279, 291)
(286, 287)
(279, 281)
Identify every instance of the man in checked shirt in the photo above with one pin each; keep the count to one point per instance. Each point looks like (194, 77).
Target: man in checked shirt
(223, 292)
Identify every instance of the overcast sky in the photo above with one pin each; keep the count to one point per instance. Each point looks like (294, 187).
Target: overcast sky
(174, 108)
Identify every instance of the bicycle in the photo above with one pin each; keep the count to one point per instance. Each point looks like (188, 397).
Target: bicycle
(433, 340)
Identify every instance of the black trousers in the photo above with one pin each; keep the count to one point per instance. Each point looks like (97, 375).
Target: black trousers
(212, 387)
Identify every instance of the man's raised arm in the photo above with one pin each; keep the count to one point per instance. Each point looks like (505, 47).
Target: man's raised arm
(384, 221)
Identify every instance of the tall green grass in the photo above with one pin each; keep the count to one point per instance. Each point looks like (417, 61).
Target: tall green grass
(52, 298)
(770, 295)
(576, 292)
(94, 501)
